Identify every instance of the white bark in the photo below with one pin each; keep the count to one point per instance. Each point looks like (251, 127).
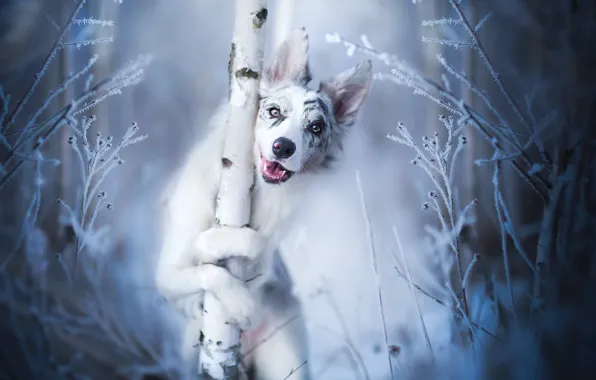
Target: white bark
(221, 340)
(284, 21)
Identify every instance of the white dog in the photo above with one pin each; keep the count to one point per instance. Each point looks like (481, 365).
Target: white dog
(298, 133)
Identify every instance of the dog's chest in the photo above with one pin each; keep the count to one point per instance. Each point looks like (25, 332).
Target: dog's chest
(271, 208)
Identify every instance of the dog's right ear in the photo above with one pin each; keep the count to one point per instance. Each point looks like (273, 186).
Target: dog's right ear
(348, 90)
(290, 63)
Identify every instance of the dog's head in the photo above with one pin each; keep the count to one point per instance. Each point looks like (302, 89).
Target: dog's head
(299, 129)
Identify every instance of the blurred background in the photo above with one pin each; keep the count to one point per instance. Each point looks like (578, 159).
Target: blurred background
(328, 253)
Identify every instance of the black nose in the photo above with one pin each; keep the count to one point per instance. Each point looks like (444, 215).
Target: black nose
(283, 147)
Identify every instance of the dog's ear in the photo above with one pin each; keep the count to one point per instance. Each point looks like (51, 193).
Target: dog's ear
(348, 90)
(290, 62)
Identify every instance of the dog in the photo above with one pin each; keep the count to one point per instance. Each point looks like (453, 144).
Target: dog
(298, 134)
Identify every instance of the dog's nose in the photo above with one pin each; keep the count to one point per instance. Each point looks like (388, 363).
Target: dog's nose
(283, 147)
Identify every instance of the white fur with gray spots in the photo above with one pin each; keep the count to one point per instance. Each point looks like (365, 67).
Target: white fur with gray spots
(298, 133)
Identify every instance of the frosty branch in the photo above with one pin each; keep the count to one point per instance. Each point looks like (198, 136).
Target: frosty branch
(403, 74)
(95, 162)
(39, 132)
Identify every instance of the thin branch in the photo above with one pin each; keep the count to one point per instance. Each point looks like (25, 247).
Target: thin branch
(346, 333)
(414, 294)
(504, 250)
(491, 68)
(44, 67)
(371, 249)
(294, 370)
(423, 86)
(437, 300)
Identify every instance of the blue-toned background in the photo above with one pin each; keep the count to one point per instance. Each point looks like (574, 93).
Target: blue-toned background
(106, 321)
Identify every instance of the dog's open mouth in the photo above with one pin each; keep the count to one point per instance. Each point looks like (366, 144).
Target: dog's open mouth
(274, 172)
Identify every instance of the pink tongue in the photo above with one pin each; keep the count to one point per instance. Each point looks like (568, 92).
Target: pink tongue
(273, 169)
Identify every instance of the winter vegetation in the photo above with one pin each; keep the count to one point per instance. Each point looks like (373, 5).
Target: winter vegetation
(455, 240)
(543, 141)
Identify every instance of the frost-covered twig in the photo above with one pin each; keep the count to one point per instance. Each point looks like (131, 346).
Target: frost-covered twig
(129, 75)
(442, 303)
(372, 252)
(94, 21)
(443, 21)
(444, 42)
(403, 74)
(438, 162)
(353, 349)
(28, 131)
(96, 162)
(35, 133)
(28, 224)
(500, 218)
(5, 99)
(490, 66)
(294, 370)
(468, 272)
(41, 72)
(414, 294)
(82, 43)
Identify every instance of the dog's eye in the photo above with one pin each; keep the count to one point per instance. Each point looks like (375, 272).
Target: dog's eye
(316, 127)
(274, 112)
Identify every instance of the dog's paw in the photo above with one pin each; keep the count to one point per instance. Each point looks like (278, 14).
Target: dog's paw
(234, 296)
(220, 243)
(191, 306)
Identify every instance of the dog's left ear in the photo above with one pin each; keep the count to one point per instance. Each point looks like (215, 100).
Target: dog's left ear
(290, 62)
(348, 90)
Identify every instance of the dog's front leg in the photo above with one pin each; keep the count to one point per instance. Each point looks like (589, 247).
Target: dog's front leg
(184, 283)
(185, 286)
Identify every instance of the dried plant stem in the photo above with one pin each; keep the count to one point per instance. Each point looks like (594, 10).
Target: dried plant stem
(489, 65)
(44, 66)
(372, 251)
(414, 294)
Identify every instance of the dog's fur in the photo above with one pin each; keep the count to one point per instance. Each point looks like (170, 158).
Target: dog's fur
(316, 122)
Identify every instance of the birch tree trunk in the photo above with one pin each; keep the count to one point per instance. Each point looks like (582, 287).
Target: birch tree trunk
(220, 340)
(283, 23)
